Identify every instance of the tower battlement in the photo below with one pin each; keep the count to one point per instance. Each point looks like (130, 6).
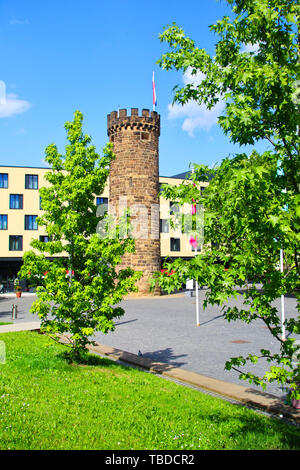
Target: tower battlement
(147, 121)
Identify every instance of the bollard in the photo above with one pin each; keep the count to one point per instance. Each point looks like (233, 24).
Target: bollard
(14, 312)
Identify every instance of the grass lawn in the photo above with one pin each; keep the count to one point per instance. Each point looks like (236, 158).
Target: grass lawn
(5, 323)
(46, 403)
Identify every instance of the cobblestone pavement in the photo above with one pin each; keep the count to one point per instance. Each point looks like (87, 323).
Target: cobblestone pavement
(164, 329)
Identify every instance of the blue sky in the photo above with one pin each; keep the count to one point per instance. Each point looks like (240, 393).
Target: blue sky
(58, 56)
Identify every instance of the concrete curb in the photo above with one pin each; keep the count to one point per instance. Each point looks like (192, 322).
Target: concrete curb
(246, 395)
(136, 296)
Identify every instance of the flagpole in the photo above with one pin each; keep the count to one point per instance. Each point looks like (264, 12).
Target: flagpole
(196, 282)
(197, 297)
(282, 300)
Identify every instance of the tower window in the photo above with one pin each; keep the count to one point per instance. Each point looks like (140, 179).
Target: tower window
(145, 136)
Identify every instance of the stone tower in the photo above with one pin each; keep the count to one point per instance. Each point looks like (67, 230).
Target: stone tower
(134, 183)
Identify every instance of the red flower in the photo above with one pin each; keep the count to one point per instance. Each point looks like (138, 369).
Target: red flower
(164, 271)
(193, 242)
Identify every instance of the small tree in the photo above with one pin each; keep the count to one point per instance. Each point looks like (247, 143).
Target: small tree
(252, 203)
(78, 284)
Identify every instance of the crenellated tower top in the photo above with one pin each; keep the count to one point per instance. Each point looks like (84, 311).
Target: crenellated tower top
(148, 121)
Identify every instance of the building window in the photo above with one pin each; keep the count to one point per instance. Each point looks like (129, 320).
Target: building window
(175, 244)
(3, 222)
(199, 247)
(3, 180)
(174, 208)
(101, 200)
(45, 238)
(31, 222)
(31, 182)
(16, 201)
(41, 206)
(15, 243)
(164, 226)
(161, 188)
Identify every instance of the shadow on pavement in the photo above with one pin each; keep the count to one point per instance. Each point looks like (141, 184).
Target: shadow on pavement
(213, 319)
(5, 314)
(165, 355)
(123, 322)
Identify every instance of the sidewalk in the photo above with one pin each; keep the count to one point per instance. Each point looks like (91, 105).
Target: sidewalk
(13, 294)
(245, 395)
(28, 326)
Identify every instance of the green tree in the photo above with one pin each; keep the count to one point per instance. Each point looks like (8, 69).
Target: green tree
(252, 203)
(78, 283)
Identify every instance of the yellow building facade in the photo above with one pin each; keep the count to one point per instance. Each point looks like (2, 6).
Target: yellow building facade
(20, 205)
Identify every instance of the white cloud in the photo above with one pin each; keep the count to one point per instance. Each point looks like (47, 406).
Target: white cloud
(195, 79)
(195, 116)
(19, 131)
(13, 105)
(14, 21)
(250, 48)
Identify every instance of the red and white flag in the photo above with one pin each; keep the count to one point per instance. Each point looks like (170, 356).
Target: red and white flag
(154, 93)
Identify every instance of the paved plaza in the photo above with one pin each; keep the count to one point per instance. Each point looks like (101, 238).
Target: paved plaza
(164, 329)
